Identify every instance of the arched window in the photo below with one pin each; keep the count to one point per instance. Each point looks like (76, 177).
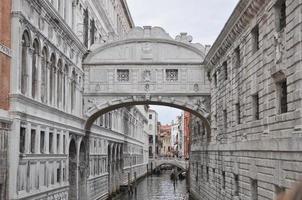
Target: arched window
(59, 83)
(65, 84)
(73, 89)
(52, 78)
(34, 72)
(24, 59)
(44, 60)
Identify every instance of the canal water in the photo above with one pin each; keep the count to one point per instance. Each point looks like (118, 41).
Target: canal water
(158, 188)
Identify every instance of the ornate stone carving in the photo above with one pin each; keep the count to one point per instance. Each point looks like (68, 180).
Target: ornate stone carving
(147, 51)
(279, 47)
(146, 75)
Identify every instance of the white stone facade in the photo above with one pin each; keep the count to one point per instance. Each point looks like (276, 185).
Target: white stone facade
(254, 150)
(48, 154)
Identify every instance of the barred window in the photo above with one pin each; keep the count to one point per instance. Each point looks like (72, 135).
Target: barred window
(123, 75)
(280, 14)
(172, 74)
(255, 39)
(282, 90)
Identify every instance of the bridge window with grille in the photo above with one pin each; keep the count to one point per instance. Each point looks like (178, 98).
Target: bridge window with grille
(255, 38)
(282, 96)
(172, 75)
(280, 14)
(123, 75)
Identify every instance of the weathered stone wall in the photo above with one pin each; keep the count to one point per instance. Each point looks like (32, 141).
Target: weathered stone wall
(254, 158)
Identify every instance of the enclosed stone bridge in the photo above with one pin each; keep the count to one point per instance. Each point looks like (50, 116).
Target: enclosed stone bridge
(146, 67)
(180, 163)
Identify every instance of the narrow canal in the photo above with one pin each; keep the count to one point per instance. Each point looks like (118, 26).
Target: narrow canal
(158, 188)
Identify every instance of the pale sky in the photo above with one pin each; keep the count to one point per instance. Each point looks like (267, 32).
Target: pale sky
(203, 19)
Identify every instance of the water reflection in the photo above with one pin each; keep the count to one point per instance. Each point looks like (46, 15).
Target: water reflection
(158, 188)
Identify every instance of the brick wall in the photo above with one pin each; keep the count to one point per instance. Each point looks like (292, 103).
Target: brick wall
(5, 39)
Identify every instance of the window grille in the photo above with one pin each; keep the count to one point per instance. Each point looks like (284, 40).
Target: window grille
(172, 75)
(123, 75)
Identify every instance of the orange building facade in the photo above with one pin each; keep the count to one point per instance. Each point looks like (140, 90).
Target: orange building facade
(5, 59)
(187, 141)
(5, 52)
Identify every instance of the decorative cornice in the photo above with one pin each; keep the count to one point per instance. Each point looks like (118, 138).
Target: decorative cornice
(242, 15)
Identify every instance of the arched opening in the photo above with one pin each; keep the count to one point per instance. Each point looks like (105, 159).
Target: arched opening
(52, 78)
(34, 75)
(82, 172)
(44, 74)
(72, 169)
(24, 62)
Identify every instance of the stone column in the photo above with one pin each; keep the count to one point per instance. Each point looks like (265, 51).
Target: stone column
(38, 138)
(29, 71)
(27, 138)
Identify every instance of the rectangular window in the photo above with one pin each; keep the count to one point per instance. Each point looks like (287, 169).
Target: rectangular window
(225, 69)
(123, 75)
(50, 142)
(236, 185)
(282, 90)
(33, 140)
(150, 116)
(225, 119)
(256, 106)
(213, 171)
(64, 144)
(237, 107)
(208, 175)
(172, 74)
(59, 173)
(237, 57)
(255, 39)
(223, 180)
(58, 143)
(42, 141)
(254, 189)
(22, 140)
(280, 14)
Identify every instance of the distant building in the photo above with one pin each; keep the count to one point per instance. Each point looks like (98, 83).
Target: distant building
(186, 123)
(165, 140)
(152, 132)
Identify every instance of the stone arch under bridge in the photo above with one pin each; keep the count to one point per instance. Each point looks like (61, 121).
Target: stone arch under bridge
(146, 66)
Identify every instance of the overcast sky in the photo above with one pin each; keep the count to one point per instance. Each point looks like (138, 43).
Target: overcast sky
(203, 19)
